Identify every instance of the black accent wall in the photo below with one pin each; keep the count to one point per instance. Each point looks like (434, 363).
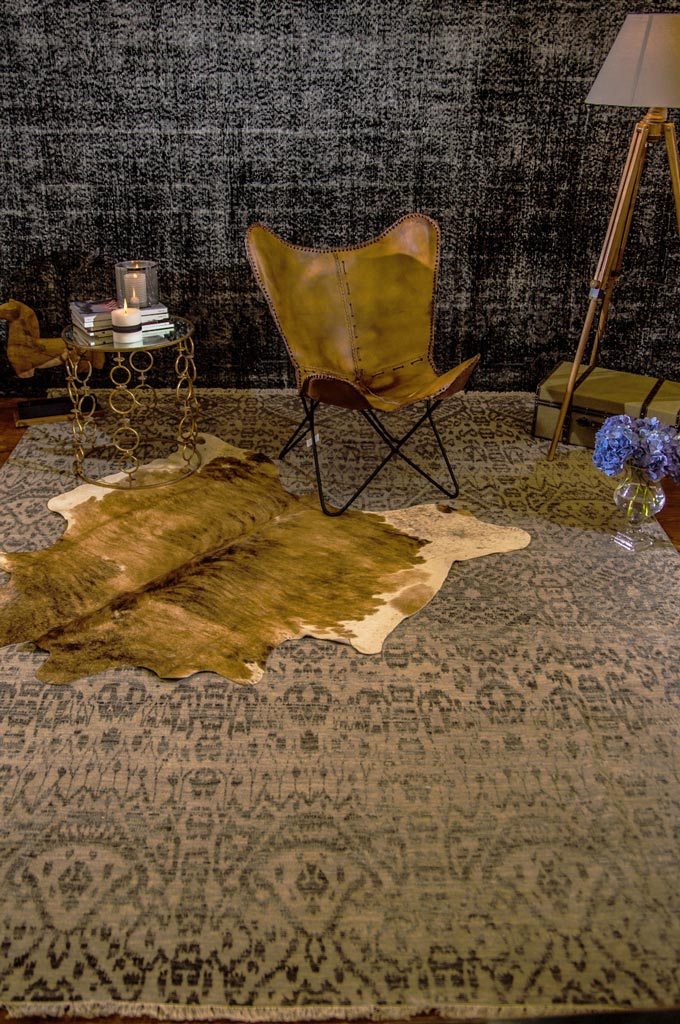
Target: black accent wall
(161, 128)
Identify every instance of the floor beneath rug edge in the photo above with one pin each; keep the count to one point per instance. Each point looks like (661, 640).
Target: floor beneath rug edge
(82, 1012)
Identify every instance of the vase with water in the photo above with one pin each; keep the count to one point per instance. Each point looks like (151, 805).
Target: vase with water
(640, 499)
(644, 451)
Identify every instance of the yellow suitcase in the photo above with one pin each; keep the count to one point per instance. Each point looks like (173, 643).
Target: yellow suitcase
(600, 393)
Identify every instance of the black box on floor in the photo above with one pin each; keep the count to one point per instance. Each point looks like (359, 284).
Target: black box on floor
(42, 410)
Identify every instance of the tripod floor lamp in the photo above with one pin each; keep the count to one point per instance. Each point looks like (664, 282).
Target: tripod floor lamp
(642, 69)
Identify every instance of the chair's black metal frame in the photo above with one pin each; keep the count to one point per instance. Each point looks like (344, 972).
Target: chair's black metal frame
(395, 444)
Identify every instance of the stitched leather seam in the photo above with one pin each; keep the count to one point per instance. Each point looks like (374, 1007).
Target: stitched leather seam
(299, 377)
(343, 288)
(359, 245)
(435, 283)
(310, 372)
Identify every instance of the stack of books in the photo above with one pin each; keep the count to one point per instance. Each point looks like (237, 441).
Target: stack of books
(92, 321)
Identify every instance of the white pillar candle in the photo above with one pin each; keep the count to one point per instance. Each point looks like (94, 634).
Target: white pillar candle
(135, 287)
(126, 323)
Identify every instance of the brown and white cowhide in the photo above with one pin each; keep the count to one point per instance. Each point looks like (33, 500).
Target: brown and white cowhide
(213, 572)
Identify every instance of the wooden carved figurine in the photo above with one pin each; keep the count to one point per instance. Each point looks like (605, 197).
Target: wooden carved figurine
(26, 350)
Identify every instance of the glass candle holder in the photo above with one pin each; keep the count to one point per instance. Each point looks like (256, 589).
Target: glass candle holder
(137, 282)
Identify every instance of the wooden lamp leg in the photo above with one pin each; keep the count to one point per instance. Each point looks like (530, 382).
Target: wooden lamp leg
(609, 274)
(611, 258)
(672, 150)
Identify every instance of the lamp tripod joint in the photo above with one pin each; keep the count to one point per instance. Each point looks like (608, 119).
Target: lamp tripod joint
(655, 119)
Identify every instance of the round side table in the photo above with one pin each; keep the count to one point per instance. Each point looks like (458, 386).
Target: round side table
(133, 401)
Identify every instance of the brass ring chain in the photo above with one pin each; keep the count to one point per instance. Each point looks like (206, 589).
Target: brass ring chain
(187, 429)
(126, 400)
(83, 402)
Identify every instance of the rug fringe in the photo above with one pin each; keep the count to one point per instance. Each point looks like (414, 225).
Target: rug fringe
(461, 1013)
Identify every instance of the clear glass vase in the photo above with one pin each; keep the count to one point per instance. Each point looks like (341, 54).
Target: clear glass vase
(639, 498)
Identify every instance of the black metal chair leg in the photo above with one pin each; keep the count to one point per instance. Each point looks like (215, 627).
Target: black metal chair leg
(394, 444)
(300, 431)
(397, 443)
(442, 449)
(325, 508)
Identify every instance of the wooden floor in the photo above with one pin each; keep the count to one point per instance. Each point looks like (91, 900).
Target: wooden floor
(11, 434)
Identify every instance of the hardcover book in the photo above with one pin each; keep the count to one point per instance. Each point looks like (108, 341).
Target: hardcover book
(93, 313)
(97, 315)
(104, 336)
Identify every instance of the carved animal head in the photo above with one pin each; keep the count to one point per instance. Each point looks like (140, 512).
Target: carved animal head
(10, 310)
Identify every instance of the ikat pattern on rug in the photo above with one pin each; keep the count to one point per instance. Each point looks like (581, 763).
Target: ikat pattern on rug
(482, 820)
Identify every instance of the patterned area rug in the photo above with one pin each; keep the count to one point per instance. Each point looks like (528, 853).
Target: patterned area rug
(479, 821)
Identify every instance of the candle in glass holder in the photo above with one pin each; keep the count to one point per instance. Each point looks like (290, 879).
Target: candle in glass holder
(135, 288)
(126, 324)
(137, 281)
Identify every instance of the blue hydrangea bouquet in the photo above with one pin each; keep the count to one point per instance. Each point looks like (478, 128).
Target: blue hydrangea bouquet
(643, 444)
(645, 451)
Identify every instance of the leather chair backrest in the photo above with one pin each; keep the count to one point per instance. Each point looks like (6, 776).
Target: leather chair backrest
(364, 313)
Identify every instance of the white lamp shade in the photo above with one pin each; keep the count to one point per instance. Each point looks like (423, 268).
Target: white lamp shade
(642, 68)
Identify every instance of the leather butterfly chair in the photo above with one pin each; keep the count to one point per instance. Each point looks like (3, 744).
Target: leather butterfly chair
(358, 324)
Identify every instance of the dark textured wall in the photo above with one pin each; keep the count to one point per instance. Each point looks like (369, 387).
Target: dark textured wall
(161, 128)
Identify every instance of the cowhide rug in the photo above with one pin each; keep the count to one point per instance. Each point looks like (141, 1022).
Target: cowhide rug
(213, 572)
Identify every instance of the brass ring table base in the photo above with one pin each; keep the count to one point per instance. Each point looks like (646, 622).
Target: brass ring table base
(130, 398)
